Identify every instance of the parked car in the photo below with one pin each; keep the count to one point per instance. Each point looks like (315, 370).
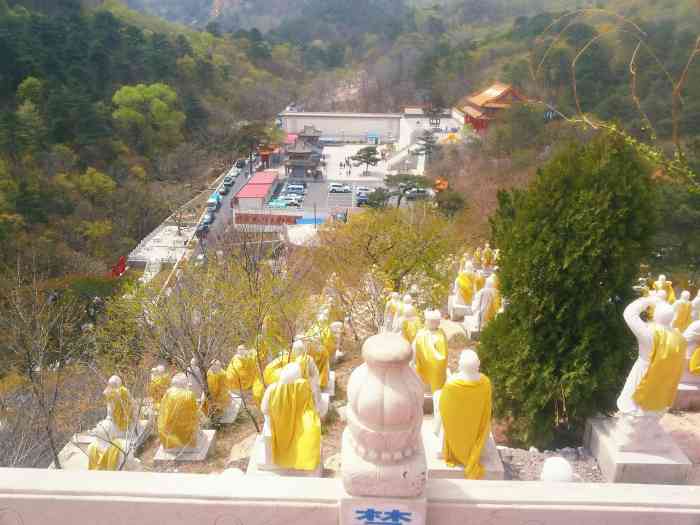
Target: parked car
(346, 189)
(229, 180)
(224, 189)
(362, 189)
(277, 203)
(417, 193)
(208, 218)
(291, 200)
(241, 163)
(362, 199)
(202, 231)
(299, 189)
(214, 202)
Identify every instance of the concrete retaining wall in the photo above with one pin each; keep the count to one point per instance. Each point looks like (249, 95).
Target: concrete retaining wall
(39, 497)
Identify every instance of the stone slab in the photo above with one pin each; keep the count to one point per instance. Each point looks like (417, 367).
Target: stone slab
(687, 398)
(457, 312)
(257, 466)
(363, 510)
(471, 328)
(670, 467)
(205, 443)
(231, 413)
(438, 469)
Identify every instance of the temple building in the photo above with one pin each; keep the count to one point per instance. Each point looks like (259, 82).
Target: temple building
(480, 108)
(304, 156)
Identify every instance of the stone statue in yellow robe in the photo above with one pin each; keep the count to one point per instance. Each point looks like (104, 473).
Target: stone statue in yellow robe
(411, 324)
(662, 285)
(158, 385)
(294, 422)
(108, 452)
(479, 280)
(653, 381)
(120, 406)
(178, 419)
(692, 336)
(487, 256)
(219, 391)
(465, 285)
(682, 310)
(241, 370)
(463, 417)
(430, 352)
(391, 311)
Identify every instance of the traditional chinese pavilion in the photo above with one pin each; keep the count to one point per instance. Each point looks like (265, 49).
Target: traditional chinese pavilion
(479, 109)
(304, 156)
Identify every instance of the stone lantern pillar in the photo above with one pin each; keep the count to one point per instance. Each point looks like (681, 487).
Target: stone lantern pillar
(383, 460)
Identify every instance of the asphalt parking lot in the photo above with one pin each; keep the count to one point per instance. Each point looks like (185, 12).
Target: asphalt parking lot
(318, 198)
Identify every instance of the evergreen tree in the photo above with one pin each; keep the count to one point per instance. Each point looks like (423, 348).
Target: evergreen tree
(571, 245)
(366, 157)
(427, 144)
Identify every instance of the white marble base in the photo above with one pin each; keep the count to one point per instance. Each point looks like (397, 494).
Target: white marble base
(457, 311)
(396, 480)
(231, 412)
(687, 398)
(198, 453)
(668, 467)
(261, 463)
(74, 456)
(437, 468)
(472, 328)
(404, 511)
(330, 387)
(139, 435)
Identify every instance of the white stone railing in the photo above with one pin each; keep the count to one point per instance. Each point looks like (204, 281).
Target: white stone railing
(39, 497)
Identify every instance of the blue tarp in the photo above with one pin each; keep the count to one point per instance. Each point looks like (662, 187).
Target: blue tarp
(310, 220)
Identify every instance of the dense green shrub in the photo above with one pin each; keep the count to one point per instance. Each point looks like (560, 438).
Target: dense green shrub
(571, 246)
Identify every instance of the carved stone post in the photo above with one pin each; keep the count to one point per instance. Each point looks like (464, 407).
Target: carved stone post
(383, 459)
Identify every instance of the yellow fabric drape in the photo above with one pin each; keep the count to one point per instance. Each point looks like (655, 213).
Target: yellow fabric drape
(479, 282)
(465, 407)
(431, 361)
(295, 425)
(329, 342)
(487, 257)
(218, 391)
(465, 285)
(158, 387)
(683, 316)
(657, 389)
(178, 419)
(109, 459)
(694, 363)
(668, 288)
(493, 308)
(271, 375)
(241, 372)
(121, 413)
(409, 329)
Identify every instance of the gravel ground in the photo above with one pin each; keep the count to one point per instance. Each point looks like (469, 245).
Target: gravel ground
(526, 465)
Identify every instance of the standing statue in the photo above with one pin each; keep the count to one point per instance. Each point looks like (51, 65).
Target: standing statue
(120, 406)
(195, 378)
(487, 257)
(399, 317)
(391, 311)
(219, 391)
(241, 370)
(293, 421)
(463, 416)
(682, 312)
(662, 285)
(430, 352)
(696, 307)
(485, 305)
(692, 336)
(158, 385)
(337, 330)
(411, 323)
(178, 419)
(465, 285)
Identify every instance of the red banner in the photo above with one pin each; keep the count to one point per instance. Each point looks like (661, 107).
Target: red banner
(264, 218)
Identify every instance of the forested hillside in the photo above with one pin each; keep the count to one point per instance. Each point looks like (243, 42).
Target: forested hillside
(108, 121)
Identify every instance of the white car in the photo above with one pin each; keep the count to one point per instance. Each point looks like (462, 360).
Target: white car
(359, 190)
(291, 199)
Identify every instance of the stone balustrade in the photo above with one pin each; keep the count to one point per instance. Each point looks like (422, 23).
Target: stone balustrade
(39, 497)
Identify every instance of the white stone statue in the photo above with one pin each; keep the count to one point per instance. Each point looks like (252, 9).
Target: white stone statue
(484, 307)
(110, 452)
(649, 391)
(666, 286)
(121, 408)
(557, 470)
(382, 449)
(195, 378)
(682, 311)
(299, 351)
(337, 329)
(691, 374)
(391, 311)
(430, 352)
(399, 317)
(695, 306)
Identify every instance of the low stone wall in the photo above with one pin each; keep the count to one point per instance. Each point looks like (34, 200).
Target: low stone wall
(38, 497)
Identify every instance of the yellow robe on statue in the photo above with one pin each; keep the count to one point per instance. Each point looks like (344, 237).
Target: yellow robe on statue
(465, 285)
(178, 419)
(479, 282)
(668, 288)
(241, 372)
(409, 329)
(270, 375)
(218, 391)
(431, 360)
(295, 426)
(158, 387)
(109, 459)
(465, 407)
(694, 363)
(121, 413)
(487, 257)
(657, 389)
(683, 316)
